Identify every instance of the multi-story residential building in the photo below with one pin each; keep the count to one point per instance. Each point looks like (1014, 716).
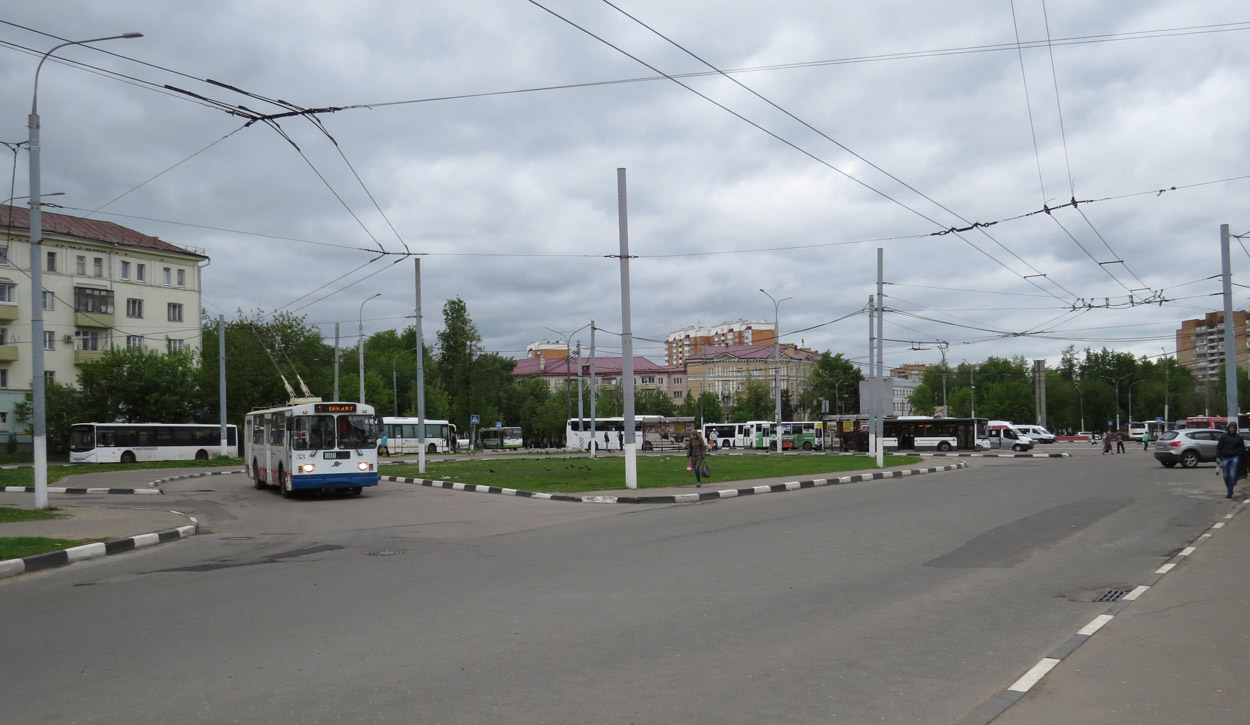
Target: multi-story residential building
(680, 345)
(725, 370)
(550, 349)
(103, 286)
(1200, 343)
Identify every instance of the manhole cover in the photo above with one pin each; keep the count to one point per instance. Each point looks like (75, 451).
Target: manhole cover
(1112, 595)
(386, 552)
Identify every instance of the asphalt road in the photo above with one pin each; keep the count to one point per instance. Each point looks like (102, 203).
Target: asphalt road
(902, 600)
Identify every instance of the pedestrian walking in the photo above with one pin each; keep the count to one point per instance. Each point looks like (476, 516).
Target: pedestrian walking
(696, 455)
(383, 448)
(1145, 441)
(620, 439)
(711, 439)
(605, 441)
(1119, 441)
(1228, 452)
(1106, 443)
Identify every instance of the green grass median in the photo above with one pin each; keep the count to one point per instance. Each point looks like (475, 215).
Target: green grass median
(17, 547)
(26, 476)
(580, 474)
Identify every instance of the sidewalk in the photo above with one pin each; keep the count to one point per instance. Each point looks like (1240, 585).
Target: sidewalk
(1177, 653)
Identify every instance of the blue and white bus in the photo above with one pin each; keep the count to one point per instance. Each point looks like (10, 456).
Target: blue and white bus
(312, 446)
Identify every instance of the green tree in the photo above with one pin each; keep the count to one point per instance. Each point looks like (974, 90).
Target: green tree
(62, 407)
(653, 401)
(139, 385)
(459, 345)
(921, 400)
(835, 379)
(754, 402)
(704, 407)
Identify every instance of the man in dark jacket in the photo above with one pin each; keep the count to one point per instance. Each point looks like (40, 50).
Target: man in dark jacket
(1228, 452)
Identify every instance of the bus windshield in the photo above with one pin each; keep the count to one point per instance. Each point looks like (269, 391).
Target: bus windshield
(358, 431)
(82, 438)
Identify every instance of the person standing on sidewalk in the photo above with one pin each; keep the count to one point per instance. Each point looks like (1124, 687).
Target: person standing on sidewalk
(1145, 441)
(696, 452)
(1120, 437)
(1228, 452)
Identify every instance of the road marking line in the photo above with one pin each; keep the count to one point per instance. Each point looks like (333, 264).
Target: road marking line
(1165, 568)
(1134, 594)
(1095, 625)
(1031, 678)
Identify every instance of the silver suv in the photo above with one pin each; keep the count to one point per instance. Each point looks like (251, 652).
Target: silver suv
(1189, 447)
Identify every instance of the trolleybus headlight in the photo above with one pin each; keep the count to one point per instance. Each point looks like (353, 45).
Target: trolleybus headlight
(364, 466)
(307, 467)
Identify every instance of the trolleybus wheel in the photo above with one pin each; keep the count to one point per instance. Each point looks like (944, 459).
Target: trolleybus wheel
(128, 457)
(287, 492)
(260, 481)
(355, 490)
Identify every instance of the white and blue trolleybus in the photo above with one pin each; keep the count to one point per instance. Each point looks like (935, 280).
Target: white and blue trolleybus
(312, 446)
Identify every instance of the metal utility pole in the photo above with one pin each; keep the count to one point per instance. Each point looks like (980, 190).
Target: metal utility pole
(627, 336)
(580, 417)
(867, 398)
(1230, 328)
(943, 347)
(336, 361)
(776, 364)
(881, 379)
(38, 383)
(1039, 388)
(360, 347)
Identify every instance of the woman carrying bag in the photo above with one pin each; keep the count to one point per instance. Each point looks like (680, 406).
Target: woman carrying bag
(696, 455)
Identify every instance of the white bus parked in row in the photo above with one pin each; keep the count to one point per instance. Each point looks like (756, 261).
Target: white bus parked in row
(132, 442)
(403, 436)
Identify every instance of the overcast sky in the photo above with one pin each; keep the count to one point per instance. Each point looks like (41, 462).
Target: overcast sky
(486, 136)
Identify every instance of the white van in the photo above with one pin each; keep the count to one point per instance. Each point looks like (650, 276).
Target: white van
(1004, 436)
(1037, 433)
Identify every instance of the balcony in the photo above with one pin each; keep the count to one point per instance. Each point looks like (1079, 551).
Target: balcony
(86, 356)
(8, 312)
(8, 353)
(93, 319)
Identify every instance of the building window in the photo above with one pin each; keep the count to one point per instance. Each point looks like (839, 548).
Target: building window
(165, 276)
(175, 312)
(182, 278)
(676, 381)
(4, 336)
(49, 299)
(647, 379)
(88, 340)
(134, 341)
(8, 292)
(125, 270)
(81, 267)
(97, 266)
(49, 377)
(140, 272)
(4, 383)
(134, 308)
(4, 254)
(51, 261)
(175, 344)
(49, 340)
(90, 299)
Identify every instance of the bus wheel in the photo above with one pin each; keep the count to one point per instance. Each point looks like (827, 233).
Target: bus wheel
(260, 480)
(355, 490)
(944, 446)
(201, 455)
(431, 448)
(646, 445)
(807, 446)
(287, 491)
(128, 457)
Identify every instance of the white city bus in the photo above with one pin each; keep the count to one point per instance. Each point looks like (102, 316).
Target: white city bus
(131, 442)
(312, 445)
(403, 435)
(608, 433)
(728, 435)
(501, 438)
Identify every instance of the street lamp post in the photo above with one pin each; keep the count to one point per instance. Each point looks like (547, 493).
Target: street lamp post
(394, 384)
(360, 345)
(1117, 397)
(39, 440)
(776, 359)
(568, 386)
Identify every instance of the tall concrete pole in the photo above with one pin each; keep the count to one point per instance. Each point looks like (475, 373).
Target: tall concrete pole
(594, 439)
(1230, 328)
(627, 336)
(336, 362)
(360, 346)
(221, 382)
(420, 374)
(882, 399)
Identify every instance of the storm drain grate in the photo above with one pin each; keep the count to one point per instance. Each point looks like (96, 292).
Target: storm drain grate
(386, 552)
(1112, 595)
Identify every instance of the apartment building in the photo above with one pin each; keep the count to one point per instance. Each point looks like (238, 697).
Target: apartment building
(1200, 343)
(724, 370)
(556, 372)
(104, 285)
(683, 343)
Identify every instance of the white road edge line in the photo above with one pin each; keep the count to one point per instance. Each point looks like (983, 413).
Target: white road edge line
(1033, 676)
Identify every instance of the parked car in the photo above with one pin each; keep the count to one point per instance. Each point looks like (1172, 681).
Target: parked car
(1038, 433)
(1188, 447)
